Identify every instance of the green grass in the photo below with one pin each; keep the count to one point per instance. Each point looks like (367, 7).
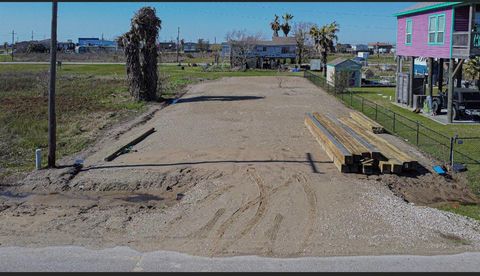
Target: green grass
(472, 211)
(89, 97)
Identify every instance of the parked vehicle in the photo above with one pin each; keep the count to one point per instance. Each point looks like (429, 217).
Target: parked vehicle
(466, 102)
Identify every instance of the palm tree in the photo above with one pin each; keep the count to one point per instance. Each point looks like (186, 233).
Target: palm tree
(275, 25)
(324, 38)
(472, 70)
(139, 46)
(285, 26)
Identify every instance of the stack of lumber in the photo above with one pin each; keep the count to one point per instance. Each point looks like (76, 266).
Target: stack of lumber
(353, 146)
(367, 122)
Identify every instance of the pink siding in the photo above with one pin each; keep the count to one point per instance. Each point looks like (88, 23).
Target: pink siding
(420, 47)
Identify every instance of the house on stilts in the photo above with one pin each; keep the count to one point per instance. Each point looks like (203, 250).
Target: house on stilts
(443, 33)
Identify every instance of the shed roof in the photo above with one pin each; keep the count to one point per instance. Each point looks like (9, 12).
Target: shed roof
(339, 61)
(425, 6)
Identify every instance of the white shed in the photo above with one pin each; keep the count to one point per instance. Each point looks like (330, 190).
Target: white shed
(342, 64)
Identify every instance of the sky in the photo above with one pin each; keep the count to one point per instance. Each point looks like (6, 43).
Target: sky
(360, 22)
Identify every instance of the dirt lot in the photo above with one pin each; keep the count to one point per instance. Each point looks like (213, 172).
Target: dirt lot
(232, 170)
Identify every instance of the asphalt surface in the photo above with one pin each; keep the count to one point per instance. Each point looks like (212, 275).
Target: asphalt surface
(79, 259)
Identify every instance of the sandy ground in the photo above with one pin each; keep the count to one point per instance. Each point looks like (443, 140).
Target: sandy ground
(232, 170)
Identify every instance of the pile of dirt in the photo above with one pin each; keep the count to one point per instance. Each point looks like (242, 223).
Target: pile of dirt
(430, 189)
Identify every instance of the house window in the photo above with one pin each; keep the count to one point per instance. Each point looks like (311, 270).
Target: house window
(264, 49)
(285, 50)
(408, 32)
(436, 29)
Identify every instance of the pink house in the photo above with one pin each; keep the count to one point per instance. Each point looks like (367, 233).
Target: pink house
(439, 30)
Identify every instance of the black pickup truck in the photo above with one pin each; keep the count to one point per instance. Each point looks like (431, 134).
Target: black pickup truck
(466, 103)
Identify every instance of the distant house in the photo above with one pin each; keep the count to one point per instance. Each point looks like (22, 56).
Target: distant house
(190, 47)
(345, 65)
(360, 48)
(94, 44)
(167, 46)
(270, 53)
(66, 46)
(343, 48)
(380, 47)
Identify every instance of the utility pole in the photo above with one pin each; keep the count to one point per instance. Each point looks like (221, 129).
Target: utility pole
(13, 42)
(52, 124)
(32, 35)
(178, 44)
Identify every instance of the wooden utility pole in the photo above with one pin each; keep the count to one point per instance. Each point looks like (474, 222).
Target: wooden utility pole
(52, 124)
(13, 42)
(178, 44)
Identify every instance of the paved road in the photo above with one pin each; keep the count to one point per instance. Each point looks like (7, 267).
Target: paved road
(71, 258)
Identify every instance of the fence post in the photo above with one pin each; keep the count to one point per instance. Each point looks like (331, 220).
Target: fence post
(362, 103)
(450, 158)
(418, 128)
(394, 121)
(376, 112)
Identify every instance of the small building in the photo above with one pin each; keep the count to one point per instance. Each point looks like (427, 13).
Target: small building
(356, 48)
(363, 55)
(343, 48)
(315, 64)
(380, 47)
(190, 47)
(167, 46)
(345, 65)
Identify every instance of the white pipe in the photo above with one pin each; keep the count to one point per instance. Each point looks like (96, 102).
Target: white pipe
(38, 159)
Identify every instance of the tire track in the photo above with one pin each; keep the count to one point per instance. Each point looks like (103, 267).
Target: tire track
(261, 209)
(215, 195)
(203, 232)
(312, 210)
(272, 232)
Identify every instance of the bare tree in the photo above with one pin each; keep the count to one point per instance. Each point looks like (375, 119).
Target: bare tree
(242, 46)
(301, 32)
(139, 46)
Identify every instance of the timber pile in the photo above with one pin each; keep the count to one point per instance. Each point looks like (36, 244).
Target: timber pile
(355, 148)
(368, 123)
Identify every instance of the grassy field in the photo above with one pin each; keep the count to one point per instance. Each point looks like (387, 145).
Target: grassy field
(89, 98)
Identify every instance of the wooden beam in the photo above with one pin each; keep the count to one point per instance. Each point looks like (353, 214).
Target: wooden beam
(410, 83)
(440, 75)
(132, 143)
(357, 149)
(366, 122)
(430, 77)
(450, 91)
(335, 150)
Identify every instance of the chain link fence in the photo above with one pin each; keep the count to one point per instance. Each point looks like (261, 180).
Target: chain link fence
(439, 146)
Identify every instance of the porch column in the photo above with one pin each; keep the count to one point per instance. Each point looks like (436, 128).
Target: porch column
(430, 77)
(440, 75)
(450, 90)
(410, 82)
(459, 76)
